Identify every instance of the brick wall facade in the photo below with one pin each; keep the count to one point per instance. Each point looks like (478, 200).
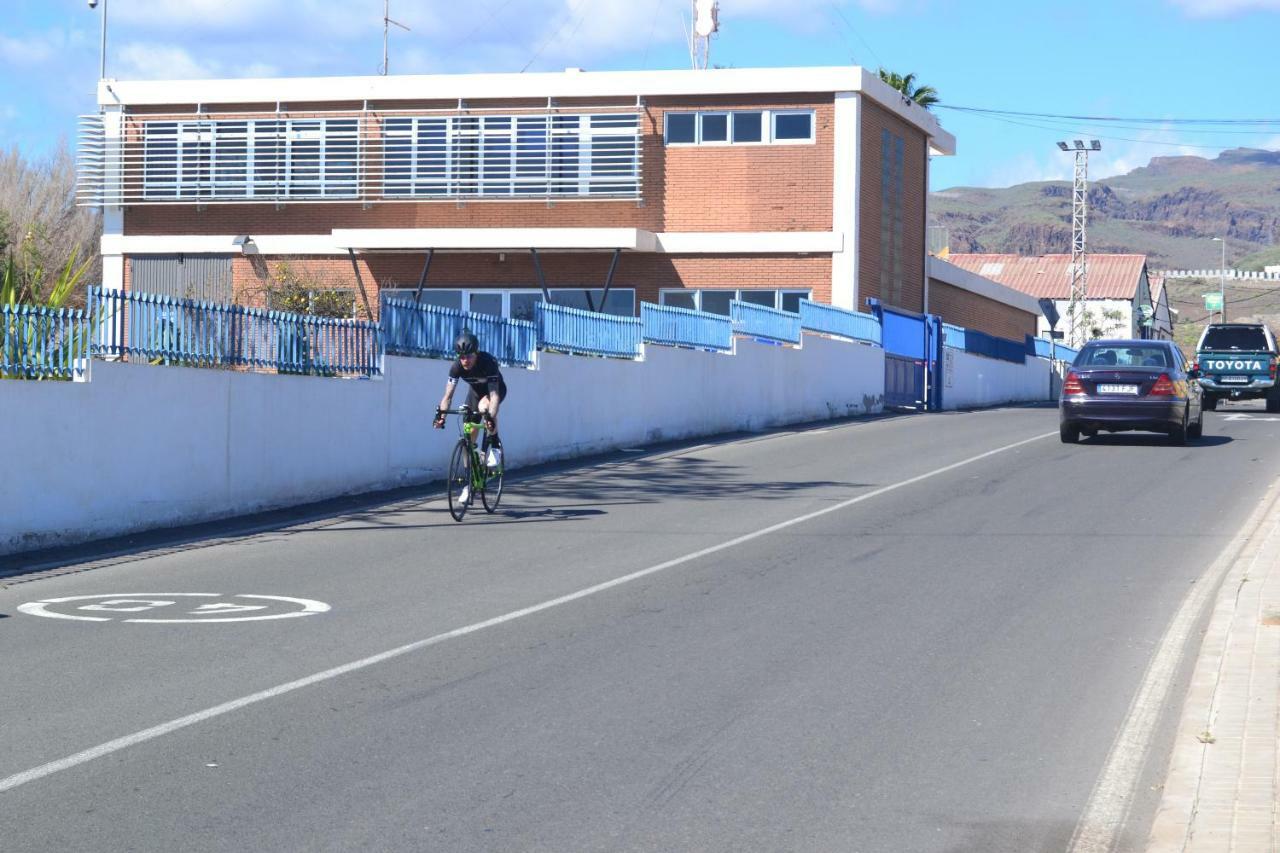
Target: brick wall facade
(963, 308)
(876, 119)
(646, 273)
(693, 188)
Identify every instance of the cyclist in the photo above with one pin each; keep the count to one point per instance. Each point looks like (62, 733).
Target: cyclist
(481, 372)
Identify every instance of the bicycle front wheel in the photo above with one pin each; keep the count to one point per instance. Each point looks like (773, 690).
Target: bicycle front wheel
(492, 491)
(458, 486)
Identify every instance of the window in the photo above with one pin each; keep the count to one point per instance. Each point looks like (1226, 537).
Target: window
(539, 155)
(793, 126)
(517, 304)
(715, 127)
(1243, 338)
(682, 128)
(891, 253)
(747, 127)
(242, 159)
(744, 127)
(716, 301)
(680, 299)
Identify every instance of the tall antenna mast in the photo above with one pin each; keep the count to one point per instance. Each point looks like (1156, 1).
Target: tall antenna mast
(386, 23)
(706, 22)
(1077, 324)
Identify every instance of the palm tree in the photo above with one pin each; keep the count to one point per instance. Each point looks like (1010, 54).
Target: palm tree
(925, 96)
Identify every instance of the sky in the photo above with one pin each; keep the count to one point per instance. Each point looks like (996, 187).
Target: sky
(1150, 59)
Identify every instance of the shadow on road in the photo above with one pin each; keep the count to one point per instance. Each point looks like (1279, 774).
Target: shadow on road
(1143, 439)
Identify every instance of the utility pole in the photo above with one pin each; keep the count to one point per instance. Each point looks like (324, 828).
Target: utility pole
(1076, 322)
(386, 23)
(1222, 278)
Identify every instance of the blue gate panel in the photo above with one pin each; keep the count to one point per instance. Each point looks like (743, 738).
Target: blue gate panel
(903, 382)
(903, 335)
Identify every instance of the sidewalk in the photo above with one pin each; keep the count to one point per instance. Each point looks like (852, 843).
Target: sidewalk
(1221, 792)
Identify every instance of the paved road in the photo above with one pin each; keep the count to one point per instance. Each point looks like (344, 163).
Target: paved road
(936, 659)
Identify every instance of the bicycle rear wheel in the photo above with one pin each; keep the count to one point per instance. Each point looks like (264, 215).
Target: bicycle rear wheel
(492, 491)
(459, 482)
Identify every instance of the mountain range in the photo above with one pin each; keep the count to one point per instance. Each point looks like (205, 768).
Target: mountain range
(1169, 210)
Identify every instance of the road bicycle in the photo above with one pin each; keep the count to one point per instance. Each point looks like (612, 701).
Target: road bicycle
(469, 475)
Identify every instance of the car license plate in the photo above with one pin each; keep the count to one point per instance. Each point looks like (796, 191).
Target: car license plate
(1118, 389)
(1234, 380)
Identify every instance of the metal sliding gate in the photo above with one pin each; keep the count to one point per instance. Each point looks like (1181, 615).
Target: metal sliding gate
(911, 365)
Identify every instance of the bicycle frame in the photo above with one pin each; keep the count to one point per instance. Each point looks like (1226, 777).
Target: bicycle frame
(467, 430)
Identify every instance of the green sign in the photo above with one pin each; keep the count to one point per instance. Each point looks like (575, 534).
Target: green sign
(1212, 301)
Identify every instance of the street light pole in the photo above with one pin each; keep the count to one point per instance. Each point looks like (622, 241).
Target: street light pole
(1222, 278)
(102, 54)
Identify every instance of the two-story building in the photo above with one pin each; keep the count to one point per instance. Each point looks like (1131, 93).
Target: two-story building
(492, 190)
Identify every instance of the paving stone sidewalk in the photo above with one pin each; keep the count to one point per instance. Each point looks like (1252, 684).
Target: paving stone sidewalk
(1221, 791)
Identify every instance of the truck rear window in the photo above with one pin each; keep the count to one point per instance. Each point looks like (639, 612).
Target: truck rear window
(1236, 338)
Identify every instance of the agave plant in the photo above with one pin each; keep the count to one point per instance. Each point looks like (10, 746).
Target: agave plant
(40, 337)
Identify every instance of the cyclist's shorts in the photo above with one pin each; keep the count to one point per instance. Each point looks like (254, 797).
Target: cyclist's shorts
(473, 400)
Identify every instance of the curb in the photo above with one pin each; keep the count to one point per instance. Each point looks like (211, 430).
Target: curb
(1220, 790)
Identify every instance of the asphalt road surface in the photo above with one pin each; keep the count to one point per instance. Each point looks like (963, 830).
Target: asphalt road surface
(916, 633)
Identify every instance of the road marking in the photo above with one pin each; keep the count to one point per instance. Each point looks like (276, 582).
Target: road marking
(1107, 809)
(1241, 416)
(126, 603)
(19, 779)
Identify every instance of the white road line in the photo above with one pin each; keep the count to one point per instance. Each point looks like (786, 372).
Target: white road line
(154, 732)
(1108, 807)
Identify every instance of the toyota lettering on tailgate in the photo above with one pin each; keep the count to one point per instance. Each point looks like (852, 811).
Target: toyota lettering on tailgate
(1237, 364)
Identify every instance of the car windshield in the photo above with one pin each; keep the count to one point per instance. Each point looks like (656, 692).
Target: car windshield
(1250, 338)
(1127, 355)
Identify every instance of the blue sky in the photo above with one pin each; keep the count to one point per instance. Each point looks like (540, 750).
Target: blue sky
(1166, 59)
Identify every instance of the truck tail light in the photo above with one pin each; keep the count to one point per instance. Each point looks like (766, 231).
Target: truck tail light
(1163, 387)
(1273, 369)
(1072, 384)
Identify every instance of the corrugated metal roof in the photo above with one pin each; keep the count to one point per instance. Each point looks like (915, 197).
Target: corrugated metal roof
(1049, 276)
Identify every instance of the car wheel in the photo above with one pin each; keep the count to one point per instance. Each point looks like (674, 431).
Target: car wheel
(1196, 430)
(1209, 402)
(1069, 433)
(1273, 402)
(1178, 434)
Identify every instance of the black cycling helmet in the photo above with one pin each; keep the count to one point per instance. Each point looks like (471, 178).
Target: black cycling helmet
(466, 344)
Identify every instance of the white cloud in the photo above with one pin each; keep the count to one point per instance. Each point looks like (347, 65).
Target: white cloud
(1025, 169)
(1224, 8)
(491, 35)
(148, 61)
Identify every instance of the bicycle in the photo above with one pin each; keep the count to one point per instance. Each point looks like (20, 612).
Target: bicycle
(468, 470)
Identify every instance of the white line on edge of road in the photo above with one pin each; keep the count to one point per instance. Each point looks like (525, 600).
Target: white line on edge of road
(1107, 809)
(154, 732)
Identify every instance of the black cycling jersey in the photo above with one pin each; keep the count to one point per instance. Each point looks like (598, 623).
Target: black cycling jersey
(484, 377)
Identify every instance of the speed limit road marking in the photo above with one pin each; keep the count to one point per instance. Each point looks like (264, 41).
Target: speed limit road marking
(173, 607)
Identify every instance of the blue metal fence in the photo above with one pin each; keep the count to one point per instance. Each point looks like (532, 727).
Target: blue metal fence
(769, 324)
(682, 327)
(829, 320)
(1066, 354)
(980, 343)
(42, 343)
(185, 332)
(428, 331)
(587, 332)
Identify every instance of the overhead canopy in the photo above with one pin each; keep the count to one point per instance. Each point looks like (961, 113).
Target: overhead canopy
(495, 239)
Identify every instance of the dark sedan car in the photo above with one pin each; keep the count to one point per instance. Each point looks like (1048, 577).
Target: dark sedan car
(1130, 385)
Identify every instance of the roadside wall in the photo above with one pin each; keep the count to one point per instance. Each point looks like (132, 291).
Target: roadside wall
(140, 447)
(974, 381)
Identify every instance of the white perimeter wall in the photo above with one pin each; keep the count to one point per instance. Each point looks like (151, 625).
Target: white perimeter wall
(973, 381)
(140, 446)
